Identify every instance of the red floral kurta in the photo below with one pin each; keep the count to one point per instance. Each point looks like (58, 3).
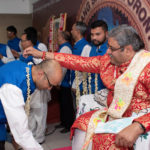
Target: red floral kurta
(109, 73)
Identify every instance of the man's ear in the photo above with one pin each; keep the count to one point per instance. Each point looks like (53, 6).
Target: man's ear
(129, 50)
(106, 34)
(40, 73)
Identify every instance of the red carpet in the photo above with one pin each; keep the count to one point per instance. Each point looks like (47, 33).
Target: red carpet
(63, 148)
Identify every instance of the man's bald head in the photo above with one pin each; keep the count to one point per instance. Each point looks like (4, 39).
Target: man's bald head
(50, 66)
(50, 70)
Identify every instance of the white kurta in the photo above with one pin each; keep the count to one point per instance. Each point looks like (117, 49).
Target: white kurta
(38, 113)
(65, 49)
(13, 104)
(9, 57)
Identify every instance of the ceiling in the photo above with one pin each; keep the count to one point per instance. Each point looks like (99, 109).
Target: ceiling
(16, 6)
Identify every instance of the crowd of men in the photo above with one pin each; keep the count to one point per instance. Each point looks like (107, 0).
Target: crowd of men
(122, 65)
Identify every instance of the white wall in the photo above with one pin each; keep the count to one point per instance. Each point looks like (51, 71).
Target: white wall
(16, 6)
(20, 21)
(17, 13)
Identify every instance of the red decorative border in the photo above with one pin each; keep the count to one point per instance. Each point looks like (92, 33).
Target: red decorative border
(62, 24)
(51, 32)
(117, 5)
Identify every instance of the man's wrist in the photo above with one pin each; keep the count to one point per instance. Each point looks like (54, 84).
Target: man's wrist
(40, 54)
(50, 55)
(140, 126)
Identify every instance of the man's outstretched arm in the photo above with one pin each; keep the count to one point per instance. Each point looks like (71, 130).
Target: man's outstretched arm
(73, 62)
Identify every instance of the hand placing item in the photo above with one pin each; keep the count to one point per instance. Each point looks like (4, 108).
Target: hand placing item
(30, 51)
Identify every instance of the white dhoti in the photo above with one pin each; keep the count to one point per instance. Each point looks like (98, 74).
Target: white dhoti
(78, 140)
(38, 114)
(142, 143)
(115, 126)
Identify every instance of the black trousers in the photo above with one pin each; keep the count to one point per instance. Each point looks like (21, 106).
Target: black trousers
(67, 114)
(2, 145)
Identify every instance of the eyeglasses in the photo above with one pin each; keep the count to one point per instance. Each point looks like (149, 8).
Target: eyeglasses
(24, 41)
(113, 49)
(9, 32)
(50, 85)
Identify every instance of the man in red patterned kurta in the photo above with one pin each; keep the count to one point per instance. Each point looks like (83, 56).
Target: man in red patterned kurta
(124, 53)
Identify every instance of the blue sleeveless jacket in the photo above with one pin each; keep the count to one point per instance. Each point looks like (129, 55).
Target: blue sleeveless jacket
(2, 52)
(96, 52)
(66, 80)
(13, 73)
(14, 44)
(29, 58)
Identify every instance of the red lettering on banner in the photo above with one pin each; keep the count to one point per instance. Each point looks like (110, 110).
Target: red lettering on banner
(137, 12)
(130, 2)
(147, 24)
(142, 14)
(137, 6)
(93, 2)
(86, 10)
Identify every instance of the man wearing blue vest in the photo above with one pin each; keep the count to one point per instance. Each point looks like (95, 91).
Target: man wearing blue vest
(82, 48)
(66, 103)
(17, 81)
(32, 37)
(5, 54)
(27, 41)
(29, 38)
(99, 31)
(13, 40)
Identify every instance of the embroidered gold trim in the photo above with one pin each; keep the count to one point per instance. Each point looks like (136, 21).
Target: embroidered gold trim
(126, 83)
(101, 115)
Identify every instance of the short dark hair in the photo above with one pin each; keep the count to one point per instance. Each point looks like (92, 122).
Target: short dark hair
(66, 35)
(30, 30)
(82, 27)
(31, 33)
(12, 29)
(99, 23)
